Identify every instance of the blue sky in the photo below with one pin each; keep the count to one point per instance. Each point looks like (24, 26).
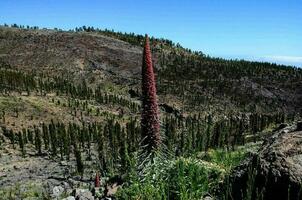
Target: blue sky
(266, 30)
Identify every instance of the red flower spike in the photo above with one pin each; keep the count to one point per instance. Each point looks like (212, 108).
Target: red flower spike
(97, 180)
(150, 119)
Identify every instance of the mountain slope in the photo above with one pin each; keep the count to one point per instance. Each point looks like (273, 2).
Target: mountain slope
(70, 108)
(186, 80)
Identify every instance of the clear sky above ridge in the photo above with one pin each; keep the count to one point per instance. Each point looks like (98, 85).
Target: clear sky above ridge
(265, 30)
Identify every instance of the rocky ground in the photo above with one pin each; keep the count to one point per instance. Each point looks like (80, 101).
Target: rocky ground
(44, 177)
(275, 171)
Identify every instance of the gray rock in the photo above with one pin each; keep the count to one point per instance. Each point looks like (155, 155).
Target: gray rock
(69, 198)
(207, 197)
(65, 185)
(275, 172)
(57, 191)
(281, 126)
(63, 163)
(83, 194)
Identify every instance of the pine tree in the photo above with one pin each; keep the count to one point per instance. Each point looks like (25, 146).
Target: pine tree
(101, 149)
(53, 138)
(150, 120)
(24, 135)
(12, 135)
(123, 152)
(45, 136)
(30, 136)
(38, 141)
(21, 144)
(78, 156)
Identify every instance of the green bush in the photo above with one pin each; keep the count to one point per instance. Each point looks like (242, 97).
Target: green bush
(179, 179)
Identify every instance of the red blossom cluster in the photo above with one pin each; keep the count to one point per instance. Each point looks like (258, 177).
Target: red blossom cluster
(150, 120)
(97, 180)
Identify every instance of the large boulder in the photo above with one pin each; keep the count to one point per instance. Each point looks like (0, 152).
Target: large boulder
(57, 191)
(83, 194)
(275, 172)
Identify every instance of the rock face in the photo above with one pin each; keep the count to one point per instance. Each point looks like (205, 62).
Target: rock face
(275, 172)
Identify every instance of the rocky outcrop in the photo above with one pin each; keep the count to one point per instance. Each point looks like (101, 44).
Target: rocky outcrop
(83, 194)
(275, 172)
(57, 192)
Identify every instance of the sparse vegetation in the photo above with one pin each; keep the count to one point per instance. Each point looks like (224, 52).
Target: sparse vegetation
(88, 119)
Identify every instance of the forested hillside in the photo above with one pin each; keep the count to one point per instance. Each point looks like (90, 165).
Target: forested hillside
(74, 97)
(189, 81)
